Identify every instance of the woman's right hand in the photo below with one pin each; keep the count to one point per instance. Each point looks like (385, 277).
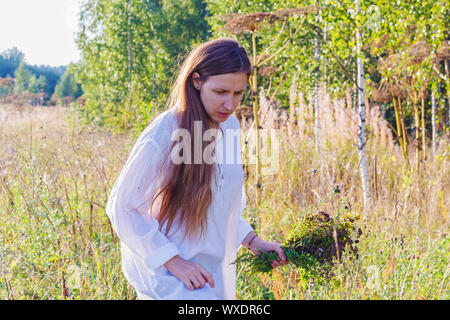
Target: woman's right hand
(192, 274)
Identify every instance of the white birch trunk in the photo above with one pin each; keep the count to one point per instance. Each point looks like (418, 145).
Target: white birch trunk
(433, 120)
(362, 121)
(316, 95)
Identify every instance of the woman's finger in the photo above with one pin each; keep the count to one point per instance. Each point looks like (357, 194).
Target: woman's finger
(280, 253)
(201, 280)
(188, 284)
(283, 263)
(207, 276)
(195, 283)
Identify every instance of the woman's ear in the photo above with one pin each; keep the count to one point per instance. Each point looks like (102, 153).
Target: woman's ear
(196, 80)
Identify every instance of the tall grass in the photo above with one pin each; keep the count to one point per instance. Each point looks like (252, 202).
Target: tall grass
(57, 243)
(404, 249)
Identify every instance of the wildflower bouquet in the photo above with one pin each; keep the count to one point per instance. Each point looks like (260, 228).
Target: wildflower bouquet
(312, 245)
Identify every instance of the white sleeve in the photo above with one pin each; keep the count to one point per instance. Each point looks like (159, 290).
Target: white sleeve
(128, 205)
(244, 227)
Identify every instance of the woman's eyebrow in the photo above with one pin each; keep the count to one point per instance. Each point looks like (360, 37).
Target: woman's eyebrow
(226, 90)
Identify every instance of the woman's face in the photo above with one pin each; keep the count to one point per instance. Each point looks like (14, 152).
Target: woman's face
(221, 94)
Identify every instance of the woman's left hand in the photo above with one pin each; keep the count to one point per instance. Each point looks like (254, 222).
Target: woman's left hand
(258, 243)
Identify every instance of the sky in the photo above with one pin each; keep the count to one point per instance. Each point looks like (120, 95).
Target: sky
(44, 30)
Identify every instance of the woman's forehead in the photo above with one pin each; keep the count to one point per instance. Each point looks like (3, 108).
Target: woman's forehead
(229, 81)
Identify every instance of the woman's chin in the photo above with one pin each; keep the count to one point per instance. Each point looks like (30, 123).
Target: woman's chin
(221, 118)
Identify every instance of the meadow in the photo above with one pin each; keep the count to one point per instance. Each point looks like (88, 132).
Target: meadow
(56, 172)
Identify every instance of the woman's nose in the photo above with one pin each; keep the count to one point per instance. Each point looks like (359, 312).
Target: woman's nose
(228, 104)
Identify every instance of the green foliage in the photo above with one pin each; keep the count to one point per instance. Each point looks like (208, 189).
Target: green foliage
(56, 174)
(33, 78)
(56, 244)
(6, 87)
(26, 81)
(68, 87)
(386, 27)
(23, 78)
(9, 61)
(293, 62)
(313, 245)
(51, 74)
(131, 50)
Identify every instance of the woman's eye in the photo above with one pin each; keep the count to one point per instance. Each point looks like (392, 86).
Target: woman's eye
(224, 92)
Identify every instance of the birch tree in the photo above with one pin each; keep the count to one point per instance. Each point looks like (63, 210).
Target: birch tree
(362, 119)
(317, 85)
(130, 50)
(433, 121)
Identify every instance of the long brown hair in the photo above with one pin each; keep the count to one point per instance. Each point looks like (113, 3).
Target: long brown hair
(188, 186)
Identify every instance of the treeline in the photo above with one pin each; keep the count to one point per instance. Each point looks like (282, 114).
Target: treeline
(395, 54)
(132, 48)
(22, 83)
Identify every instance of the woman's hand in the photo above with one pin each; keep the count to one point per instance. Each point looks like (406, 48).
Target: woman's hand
(192, 274)
(257, 243)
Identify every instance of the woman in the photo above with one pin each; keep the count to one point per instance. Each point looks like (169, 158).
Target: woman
(176, 205)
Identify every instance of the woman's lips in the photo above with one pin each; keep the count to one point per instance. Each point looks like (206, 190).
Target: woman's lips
(223, 115)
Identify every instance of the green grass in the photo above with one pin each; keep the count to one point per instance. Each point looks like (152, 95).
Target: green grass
(57, 243)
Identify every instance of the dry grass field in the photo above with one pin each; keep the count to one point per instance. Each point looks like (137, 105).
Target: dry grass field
(56, 241)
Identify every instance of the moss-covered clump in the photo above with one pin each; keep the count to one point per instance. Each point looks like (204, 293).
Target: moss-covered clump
(314, 244)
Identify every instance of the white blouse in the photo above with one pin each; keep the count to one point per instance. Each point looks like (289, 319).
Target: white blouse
(145, 248)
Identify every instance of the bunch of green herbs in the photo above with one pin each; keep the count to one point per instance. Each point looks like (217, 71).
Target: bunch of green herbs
(313, 245)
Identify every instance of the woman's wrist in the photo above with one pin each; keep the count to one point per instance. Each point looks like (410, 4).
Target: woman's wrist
(249, 240)
(172, 260)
